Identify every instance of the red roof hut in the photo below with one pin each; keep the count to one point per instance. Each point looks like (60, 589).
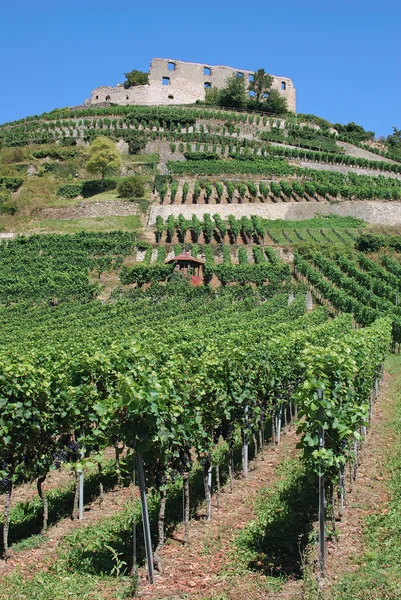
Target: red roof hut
(188, 266)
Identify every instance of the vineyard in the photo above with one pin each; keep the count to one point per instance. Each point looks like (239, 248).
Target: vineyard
(178, 358)
(183, 385)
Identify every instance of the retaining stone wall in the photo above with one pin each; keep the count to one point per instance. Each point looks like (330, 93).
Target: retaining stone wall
(378, 213)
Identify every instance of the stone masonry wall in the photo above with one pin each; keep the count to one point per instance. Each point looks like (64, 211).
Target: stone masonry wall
(378, 213)
(184, 83)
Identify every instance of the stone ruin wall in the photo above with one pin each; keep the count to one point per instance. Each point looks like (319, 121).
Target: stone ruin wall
(184, 83)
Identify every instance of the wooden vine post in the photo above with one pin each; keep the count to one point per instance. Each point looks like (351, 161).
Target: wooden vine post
(322, 502)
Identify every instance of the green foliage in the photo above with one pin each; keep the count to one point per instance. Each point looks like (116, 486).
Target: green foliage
(136, 141)
(201, 156)
(370, 242)
(11, 183)
(233, 167)
(353, 133)
(102, 157)
(275, 539)
(69, 190)
(196, 227)
(394, 143)
(261, 84)
(56, 267)
(276, 103)
(219, 190)
(131, 187)
(377, 575)
(233, 95)
(134, 78)
(86, 188)
(185, 189)
(142, 273)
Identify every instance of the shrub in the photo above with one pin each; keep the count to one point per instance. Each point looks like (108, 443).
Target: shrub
(201, 155)
(69, 190)
(11, 183)
(131, 187)
(92, 187)
(86, 188)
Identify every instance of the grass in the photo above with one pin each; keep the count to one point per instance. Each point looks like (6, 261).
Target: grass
(144, 159)
(127, 223)
(26, 517)
(378, 577)
(273, 542)
(103, 197)
(93, 561)
(60, 584)
(319, 221)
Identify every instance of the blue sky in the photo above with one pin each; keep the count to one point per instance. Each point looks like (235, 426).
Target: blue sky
(344, 56)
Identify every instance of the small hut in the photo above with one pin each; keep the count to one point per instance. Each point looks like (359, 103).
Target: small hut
(188, 266)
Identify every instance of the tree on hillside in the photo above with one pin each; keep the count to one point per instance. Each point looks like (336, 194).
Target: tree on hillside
(234, 93)
(394, 141)
(275, 103)
(134, 78)
(102, 157)
(261, 84)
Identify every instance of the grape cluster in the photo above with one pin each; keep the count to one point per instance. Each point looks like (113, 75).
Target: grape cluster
(4, 483)
(73, 447)
(60, 457)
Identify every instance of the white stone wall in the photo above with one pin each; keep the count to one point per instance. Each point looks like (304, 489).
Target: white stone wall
(378, 213)
(186, 85)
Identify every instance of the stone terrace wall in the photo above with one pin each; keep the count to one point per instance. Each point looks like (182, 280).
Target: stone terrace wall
(184, 83)
(378, 213)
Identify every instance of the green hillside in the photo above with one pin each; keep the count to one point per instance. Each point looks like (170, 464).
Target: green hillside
(201, 295)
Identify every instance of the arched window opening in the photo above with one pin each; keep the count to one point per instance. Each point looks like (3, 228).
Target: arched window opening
(207, 71)
(171, 66)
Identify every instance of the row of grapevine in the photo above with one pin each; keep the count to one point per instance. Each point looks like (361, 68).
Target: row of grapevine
(352, 291)
(162, 403)
(251, 229)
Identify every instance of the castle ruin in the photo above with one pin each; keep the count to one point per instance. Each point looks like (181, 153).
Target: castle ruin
(178, 82)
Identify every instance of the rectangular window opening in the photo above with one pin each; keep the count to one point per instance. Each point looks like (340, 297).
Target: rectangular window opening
(250, 78)
(165, 80)
(283, 85)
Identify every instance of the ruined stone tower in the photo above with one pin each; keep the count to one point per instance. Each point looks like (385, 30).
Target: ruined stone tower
(178, 82)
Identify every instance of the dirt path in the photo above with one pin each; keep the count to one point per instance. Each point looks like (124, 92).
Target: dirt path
(57, 479)
(34, 559)
(203, 568)
(369, 492)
